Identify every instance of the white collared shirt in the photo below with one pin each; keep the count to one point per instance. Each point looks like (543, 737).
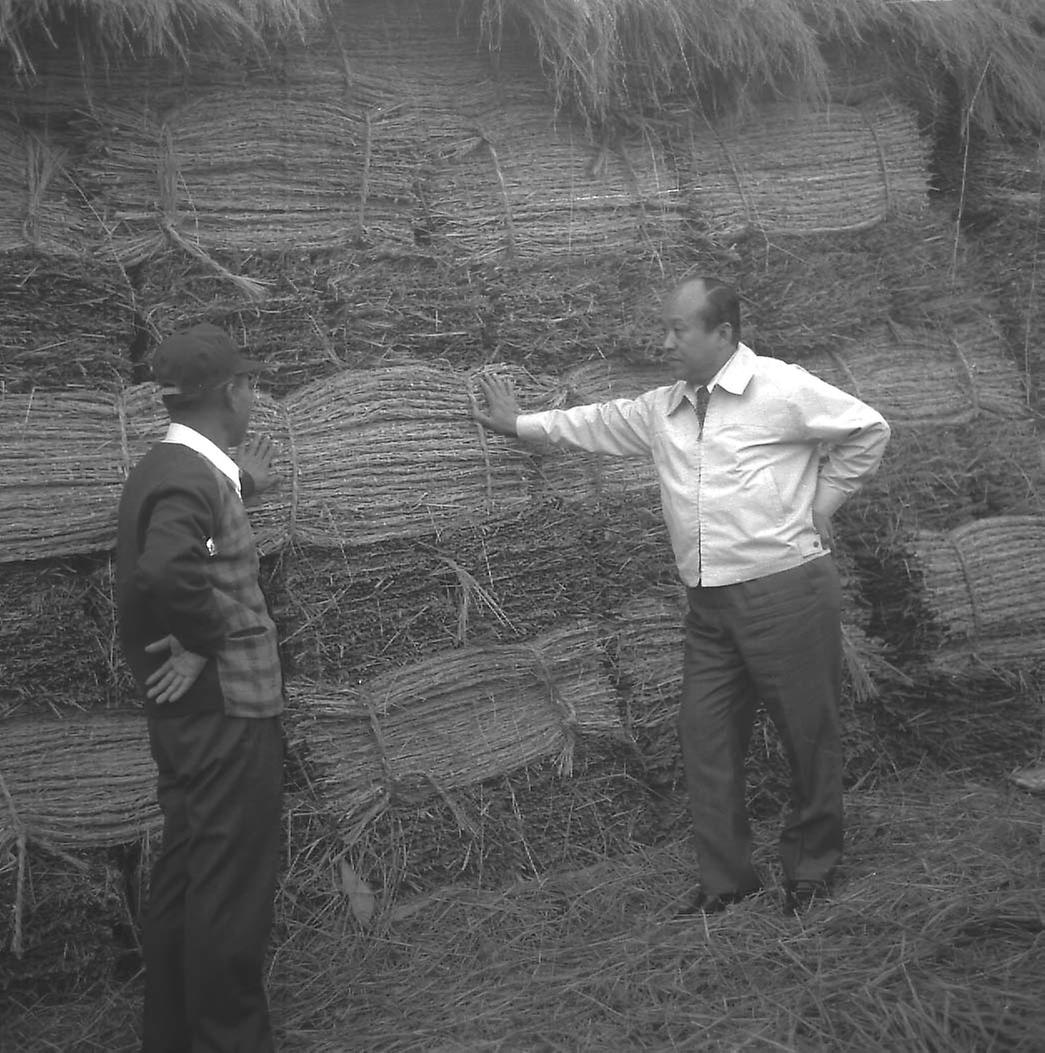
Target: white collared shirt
(738, 495)
(186, 436)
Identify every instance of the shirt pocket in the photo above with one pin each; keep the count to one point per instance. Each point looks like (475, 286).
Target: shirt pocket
(249, 658)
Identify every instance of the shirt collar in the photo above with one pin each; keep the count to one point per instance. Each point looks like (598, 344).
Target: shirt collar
(183, 435)
(734, 375)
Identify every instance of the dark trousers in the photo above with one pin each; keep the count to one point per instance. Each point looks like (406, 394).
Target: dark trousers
(776, 639)
(210, 899)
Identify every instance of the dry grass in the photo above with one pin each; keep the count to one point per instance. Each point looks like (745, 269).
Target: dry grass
(933, 940)
(41, 208)
(65, 322)
(612, 54)
(117, 29)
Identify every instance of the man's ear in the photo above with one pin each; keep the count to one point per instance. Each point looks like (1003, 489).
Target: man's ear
(230, 392)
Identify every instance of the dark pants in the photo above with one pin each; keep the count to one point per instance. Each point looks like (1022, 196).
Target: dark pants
(776, 639)
(210, 902)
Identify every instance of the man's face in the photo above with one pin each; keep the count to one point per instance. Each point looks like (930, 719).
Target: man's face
(241, 401)
(691, 351)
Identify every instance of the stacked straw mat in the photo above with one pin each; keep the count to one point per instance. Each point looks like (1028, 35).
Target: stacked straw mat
(456, 718)
(985, 582)
(453, 719)
(797, 171)
(923, 377)
(366, 456)
(248, 169)
(79, 781)
(537, 187)
(41, 208)
(410, 63)
(383, 453)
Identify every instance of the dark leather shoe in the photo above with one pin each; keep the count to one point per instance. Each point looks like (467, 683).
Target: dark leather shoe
(799, 896)
(712, 902)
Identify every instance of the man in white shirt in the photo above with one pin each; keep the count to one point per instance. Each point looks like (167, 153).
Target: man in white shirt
(754, 456)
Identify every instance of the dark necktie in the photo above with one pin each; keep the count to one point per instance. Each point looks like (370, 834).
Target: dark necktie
(703, 397)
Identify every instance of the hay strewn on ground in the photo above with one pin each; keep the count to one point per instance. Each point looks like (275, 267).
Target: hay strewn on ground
(932, 941)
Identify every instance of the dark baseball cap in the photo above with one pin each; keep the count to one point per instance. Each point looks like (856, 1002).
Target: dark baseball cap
(193, 360)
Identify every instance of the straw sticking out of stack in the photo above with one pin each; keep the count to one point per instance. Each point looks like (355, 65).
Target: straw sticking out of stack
(40, 209)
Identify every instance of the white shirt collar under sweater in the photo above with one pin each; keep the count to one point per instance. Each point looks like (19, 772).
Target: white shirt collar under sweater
(186, 436)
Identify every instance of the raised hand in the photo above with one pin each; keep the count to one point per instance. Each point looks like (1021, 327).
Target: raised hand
(255, 457)
(502, 408)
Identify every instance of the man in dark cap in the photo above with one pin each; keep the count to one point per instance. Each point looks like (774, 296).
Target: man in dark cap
(196, 632)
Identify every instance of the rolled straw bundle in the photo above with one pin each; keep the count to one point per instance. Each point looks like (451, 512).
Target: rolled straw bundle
(454, 719)
(63, 458)
(367, 456)
(77, 781)
(40, 207)
(803, 171)
(393, 452)
(248, 169)
(587, 479)
(918, 376)
(985, 582)
(534, 187)
(613, 378)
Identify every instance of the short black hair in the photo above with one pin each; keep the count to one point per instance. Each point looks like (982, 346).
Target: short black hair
(722, 305)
